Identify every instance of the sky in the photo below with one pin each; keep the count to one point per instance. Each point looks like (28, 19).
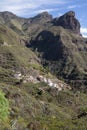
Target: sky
(30, 8)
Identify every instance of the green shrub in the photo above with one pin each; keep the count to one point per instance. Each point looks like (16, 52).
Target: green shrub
(4, 107)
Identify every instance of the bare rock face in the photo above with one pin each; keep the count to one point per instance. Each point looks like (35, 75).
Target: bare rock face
(68, 21)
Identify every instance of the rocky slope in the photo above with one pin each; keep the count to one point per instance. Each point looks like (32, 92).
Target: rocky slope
(37, 56)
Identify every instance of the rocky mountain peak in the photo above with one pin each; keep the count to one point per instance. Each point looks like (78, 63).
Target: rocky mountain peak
(68, 21)
(70, 14)
(44, 15)
(7, 14)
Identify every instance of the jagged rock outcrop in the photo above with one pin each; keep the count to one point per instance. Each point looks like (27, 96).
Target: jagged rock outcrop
(68, 21)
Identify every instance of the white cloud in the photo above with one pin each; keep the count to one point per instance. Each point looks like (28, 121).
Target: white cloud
(72, 6)
(84, 31)
(47, 9)
(84, 35)
(75, 6)
(20, 7)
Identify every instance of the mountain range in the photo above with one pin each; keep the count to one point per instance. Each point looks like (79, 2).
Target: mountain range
(43, 72)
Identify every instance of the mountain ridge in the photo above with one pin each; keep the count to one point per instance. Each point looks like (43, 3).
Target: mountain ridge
(64, 21)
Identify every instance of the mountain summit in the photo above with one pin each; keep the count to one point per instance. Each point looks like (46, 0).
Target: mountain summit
(44, 15)
(68, 21)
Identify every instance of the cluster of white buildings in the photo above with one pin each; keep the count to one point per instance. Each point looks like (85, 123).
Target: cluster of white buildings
(50, 82)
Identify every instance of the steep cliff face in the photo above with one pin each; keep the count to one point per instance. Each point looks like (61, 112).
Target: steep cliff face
(68, 21)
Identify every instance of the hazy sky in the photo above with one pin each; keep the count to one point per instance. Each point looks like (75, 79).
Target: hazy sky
(30, 8)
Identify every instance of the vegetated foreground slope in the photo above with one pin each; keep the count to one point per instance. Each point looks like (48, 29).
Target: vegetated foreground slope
(35, 52)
